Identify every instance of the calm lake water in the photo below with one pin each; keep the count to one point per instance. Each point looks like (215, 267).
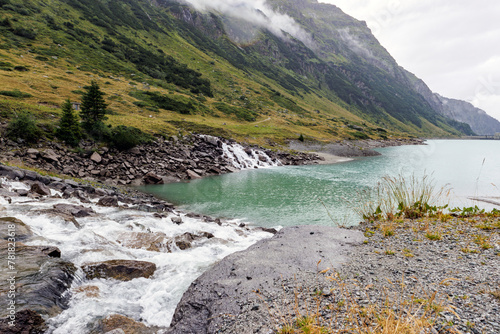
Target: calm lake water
(285, 196)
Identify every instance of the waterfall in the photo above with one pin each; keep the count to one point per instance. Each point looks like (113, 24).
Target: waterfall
(246, 158)
(241, 157)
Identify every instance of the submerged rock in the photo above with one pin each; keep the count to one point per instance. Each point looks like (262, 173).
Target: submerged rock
(123, 270)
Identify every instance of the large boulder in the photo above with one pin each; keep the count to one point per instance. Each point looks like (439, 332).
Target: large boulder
(21, 230)
(41, 279)
(108, 201)
(224, 292)
(40, 189)
(74, 210)
(152, 178)
(123, 270)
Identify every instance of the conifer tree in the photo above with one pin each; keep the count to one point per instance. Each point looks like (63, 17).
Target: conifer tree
(69, 128)
(93, 107)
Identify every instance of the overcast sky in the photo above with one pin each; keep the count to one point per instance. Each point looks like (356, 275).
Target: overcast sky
(453, 45)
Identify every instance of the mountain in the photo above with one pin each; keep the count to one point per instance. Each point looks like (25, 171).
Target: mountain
(263, 76)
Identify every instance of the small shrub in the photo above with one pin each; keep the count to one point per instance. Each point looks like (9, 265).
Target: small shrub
(23, 127)
(301, 137)
(21, 68)
(124, 138)
(15, 93)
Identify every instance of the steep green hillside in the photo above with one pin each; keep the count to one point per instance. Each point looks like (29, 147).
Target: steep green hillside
(166, 67)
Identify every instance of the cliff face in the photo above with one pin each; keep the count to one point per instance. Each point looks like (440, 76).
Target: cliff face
(480, 122)
(340, 38)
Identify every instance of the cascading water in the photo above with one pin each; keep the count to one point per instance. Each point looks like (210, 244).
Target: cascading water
(107, 235)
(242, 158)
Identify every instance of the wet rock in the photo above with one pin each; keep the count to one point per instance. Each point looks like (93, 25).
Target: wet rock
(192, 175)
(74, 210)
(176, 220)
(11, 172)
(117, 324)
(152, 178)
(26, 321)
(154, 242)
(41, 279)
(124, 270)
(96, 157)
(108, 201)
(22, 192)
(22, 231)
(40, 189)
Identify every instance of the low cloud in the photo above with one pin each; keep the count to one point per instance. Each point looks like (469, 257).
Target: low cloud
(450, 44)
(258, 13)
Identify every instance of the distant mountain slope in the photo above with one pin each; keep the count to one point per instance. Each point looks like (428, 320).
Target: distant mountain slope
(168, 68)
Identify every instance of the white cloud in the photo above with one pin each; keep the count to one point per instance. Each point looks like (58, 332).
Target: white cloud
(453, 45)
(258, 13)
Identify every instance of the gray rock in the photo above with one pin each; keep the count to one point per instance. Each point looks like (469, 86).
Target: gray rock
(41, 279)
(50, 155)
(22, 230)
(96, 157)
(176, 220)
(192, 174)
(74, 210)
(233, 281)
(40, 189)
(124, 270)
(108, 201)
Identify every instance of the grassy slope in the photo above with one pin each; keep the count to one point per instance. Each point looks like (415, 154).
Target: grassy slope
(59, 66)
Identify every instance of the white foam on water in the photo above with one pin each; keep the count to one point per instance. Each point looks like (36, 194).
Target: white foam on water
(152, 300)
(242, 158)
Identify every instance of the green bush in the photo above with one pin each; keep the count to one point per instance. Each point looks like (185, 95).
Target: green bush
(124, 138)
(240, 113)
(23, 127)
(14, 93)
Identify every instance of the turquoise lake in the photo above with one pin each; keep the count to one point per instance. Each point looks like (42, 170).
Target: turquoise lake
(297, 195)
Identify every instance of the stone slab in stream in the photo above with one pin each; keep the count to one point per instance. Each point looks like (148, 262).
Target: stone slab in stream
(222, 290)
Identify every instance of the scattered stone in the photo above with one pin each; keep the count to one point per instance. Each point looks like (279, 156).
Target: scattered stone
(192, 175)
(50, 155)
(40, 189)
(108, 201)
(124, 270)
(152, 178)
(96, 157)
(176, 220)
(74, 210)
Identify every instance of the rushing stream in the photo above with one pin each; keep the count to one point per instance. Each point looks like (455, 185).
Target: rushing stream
(104, 237)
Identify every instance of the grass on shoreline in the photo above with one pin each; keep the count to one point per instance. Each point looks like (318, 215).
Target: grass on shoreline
(398, 206)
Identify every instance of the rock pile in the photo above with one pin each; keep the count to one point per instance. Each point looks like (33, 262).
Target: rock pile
(155, 163)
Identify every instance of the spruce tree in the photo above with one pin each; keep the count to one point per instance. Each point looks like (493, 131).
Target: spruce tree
(69, 128)
(93, 107)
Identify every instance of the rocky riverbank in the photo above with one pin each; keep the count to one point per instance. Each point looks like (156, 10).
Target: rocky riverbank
(161, 161)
